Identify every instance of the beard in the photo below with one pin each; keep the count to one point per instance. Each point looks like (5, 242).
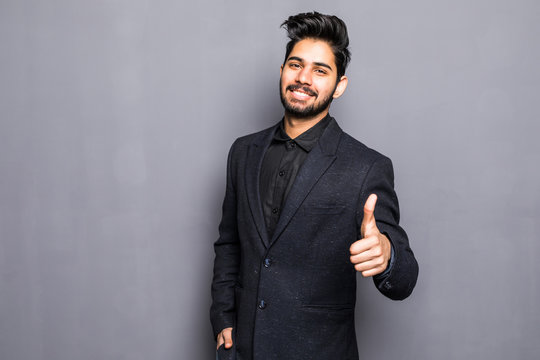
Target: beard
(299, 111)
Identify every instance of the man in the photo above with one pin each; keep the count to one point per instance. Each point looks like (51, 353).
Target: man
(306, 207)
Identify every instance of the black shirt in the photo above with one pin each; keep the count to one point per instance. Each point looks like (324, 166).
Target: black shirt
(280, 166)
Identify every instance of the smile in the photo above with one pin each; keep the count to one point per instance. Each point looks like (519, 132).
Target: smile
(300, 94)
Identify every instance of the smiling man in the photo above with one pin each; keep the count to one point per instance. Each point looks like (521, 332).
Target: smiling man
(306, 207)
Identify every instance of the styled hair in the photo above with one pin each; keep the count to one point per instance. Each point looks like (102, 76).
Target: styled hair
(318, 26)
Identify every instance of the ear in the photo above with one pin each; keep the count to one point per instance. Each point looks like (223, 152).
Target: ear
(341, 86)
(280, 70)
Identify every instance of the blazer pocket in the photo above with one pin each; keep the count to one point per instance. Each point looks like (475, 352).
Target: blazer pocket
(323, 209)
(331, 315)
(328, 307)
(226, 354)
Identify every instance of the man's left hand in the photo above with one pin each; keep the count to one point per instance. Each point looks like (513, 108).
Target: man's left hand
(371, 253)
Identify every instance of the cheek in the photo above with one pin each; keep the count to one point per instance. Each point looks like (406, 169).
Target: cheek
(286, 78)
(326, 88)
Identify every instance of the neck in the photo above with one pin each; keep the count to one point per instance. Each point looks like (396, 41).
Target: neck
(295, 126)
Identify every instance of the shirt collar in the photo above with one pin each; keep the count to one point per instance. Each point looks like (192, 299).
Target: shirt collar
(308, 138)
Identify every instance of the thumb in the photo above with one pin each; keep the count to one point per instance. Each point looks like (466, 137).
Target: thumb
(369, 219)
(227, 337)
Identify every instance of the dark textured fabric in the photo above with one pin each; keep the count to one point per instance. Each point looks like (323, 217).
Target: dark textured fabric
(292, 296)
(281, 163)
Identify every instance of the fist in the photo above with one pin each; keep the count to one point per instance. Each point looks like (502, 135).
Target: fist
(371, 253)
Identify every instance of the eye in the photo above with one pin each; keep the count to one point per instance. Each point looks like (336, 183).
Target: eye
(320, 71)
(294, 65)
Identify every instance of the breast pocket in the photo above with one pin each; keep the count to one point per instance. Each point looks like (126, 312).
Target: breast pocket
(321, 209)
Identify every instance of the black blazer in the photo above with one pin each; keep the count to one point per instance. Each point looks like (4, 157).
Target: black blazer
(292, 296)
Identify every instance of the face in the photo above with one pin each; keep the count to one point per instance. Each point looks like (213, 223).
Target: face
(308, 81)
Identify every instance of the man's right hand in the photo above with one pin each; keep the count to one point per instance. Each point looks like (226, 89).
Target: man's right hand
(225, 337)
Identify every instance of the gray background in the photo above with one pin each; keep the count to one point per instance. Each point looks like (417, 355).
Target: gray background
(115, 121)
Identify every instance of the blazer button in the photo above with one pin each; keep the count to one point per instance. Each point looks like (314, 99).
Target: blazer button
(262, 304)
(267, 262)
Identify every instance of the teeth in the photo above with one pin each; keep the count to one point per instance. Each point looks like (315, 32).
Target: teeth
(300, 93)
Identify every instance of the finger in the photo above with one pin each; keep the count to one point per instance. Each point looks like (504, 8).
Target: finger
(373, 272)
(369, 208)
(366, 255)
(219, 340)
(227, 337)
(363, 245)
(368, 222)
(373, 264)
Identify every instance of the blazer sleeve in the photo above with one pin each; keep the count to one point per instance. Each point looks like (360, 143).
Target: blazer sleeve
(398, 281)
(227, 258)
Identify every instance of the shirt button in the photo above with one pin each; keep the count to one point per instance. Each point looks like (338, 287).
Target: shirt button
(281, 173)
(267, 262)
(274, 210)
(262, 304)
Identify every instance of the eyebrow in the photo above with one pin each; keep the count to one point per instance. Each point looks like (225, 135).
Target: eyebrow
(316, 63)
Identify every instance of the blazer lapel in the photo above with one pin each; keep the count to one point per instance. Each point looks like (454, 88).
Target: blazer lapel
(255, 155)
(317, 162)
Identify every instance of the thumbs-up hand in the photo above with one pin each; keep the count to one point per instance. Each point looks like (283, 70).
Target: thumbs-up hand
(371, 253)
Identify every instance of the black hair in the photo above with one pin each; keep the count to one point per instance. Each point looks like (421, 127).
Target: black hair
(314, 25)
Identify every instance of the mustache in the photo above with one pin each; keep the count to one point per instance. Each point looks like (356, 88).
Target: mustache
(303, 88)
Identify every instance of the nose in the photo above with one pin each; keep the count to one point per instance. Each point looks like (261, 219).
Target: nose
(304, 76)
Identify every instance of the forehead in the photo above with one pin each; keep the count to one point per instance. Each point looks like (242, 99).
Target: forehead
(314, 50)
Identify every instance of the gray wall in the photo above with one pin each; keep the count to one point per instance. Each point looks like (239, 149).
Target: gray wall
(115, 120)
